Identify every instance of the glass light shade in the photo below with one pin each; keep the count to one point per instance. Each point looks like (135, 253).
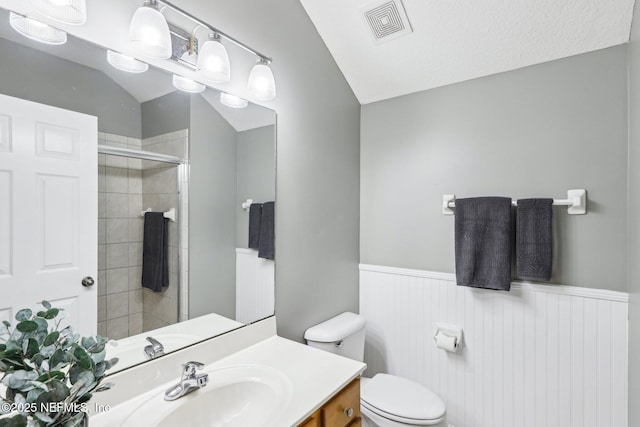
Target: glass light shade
(36, 30)
(213, 62)
(233, 101)
(261, 83)
(126, 63)
(187, 85)
(68, 11)
(149, 33)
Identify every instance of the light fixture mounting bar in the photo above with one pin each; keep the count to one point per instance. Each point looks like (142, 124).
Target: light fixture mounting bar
(214, 30)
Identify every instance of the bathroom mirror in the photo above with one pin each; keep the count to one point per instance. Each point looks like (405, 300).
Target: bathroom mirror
(189, 156)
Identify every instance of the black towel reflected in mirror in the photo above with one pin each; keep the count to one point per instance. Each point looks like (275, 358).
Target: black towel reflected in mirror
(255, 217)
(267, 246)
(155, 248)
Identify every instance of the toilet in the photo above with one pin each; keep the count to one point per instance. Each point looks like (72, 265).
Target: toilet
(385, 400)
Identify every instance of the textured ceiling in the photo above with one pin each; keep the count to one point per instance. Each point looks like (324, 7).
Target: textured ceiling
(454, 41)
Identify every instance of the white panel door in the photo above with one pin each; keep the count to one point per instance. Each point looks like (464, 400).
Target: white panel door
(48, 211)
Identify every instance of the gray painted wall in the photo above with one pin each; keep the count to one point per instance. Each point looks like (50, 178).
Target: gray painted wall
(317, 212)
(166, 114)
(634, 222)
(533, 132)
(68, 85)
(256, 169)
(212, 214)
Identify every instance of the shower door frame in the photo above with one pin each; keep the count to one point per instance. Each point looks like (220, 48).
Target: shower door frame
(183, 170)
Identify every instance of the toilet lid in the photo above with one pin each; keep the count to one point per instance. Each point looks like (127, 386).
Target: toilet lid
(401, 400)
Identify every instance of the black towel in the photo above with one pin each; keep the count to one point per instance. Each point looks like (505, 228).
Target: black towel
(483, 242)
(255, 216)
(155, 266)
(267, 247)
(534, 239)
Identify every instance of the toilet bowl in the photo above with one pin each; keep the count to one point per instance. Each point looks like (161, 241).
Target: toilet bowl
(385, 400)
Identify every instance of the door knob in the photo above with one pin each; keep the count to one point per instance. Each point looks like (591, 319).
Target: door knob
(88, 282)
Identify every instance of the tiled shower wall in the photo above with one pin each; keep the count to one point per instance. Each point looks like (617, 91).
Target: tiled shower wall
(127, 187)
(119, 240)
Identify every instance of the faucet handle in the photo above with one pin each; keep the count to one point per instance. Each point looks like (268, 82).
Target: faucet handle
(189, 369)
(157, 346)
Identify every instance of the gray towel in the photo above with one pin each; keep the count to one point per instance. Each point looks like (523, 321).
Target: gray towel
(255, 216)
(267, 247)
(155, 265)
(534, 239)
(483, 242)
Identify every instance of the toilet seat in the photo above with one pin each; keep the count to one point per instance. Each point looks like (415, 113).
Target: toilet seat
(401, 400)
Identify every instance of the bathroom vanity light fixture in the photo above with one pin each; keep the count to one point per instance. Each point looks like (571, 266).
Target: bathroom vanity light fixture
(36, 30)
(187, 85)
(126, 63)
(68, 11)
(212, 63)
(149, 31)
(262, 85)
(232, 100)
(213, 60)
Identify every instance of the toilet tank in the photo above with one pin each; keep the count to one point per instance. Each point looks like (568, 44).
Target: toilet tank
(343, 335)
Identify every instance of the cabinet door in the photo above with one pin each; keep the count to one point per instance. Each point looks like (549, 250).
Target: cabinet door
(314, 420)
(344, 409)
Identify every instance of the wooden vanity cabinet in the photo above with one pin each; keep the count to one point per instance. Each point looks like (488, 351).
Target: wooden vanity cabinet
(343, 410)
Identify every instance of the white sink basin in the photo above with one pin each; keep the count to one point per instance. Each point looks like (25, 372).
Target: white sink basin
(237, 396)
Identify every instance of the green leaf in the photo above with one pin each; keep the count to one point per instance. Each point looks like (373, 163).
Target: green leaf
(32, 348)
(101, 367)
(12, 347)
(43, 325)
(47, 351)
(82, 358)
(58, 391)
(85, 398)
(88, 342)
(24, 314)
(20, 380)
(7, 324)
(51, 338)
(46, 304)
(17, 421)
(51, 375)
(58, 360)
(99, 357)
(104, 387)
(27, 326)
(84, 383)
(51, 313)
(76, 420)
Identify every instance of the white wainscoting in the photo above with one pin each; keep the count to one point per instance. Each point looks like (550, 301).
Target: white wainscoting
(538, 356)
(255, 291)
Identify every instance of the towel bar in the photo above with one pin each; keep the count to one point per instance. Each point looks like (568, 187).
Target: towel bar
(246, 205)
(576, 201)
(171, 213)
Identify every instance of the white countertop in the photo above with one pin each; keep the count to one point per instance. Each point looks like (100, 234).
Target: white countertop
(130, 350)
(315, 376)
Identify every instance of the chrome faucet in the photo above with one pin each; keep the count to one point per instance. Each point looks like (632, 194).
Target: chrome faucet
(154, 350)
(189, 382)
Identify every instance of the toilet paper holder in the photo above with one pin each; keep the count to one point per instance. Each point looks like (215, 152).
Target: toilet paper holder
(451, 331)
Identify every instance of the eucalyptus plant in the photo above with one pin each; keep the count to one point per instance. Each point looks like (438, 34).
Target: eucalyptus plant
(49, 373)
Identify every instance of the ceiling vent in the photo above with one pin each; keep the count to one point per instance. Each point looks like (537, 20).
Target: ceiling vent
(387, 20)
